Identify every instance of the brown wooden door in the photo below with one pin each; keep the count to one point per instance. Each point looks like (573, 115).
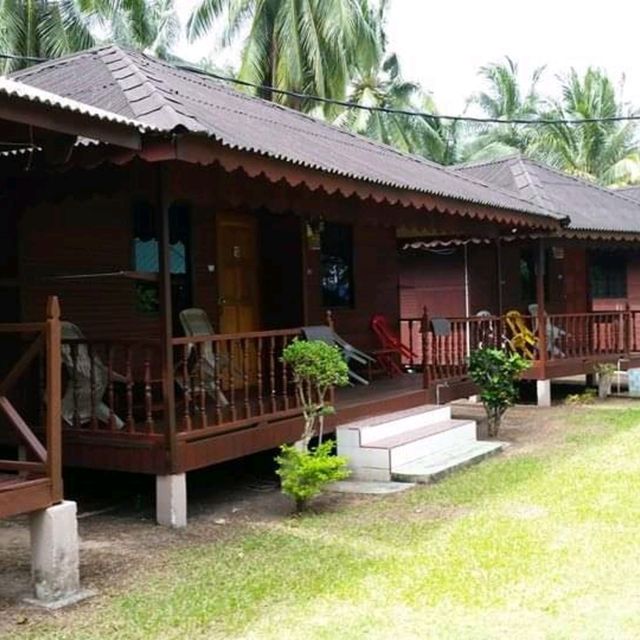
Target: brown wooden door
(237, 246)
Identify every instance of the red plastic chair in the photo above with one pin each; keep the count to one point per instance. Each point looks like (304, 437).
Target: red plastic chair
(391, 344)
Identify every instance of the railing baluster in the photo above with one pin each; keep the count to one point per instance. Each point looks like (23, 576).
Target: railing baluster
(245, 376)
(110, 386)
(272, 374)
(259, 382)
(75, 385)
(202, 384)
(186, 388)
(219, 380)
(285, 381)
(93, 418)
(231, 346)
(128, 368)
(148, 392)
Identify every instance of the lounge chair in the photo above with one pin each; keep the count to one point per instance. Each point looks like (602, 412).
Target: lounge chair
(195, 322)
(349, 352)
(392, 349)
(85, 391)
(521, 340)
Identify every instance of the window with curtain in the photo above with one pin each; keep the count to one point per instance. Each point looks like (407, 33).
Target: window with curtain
(336, 250)
(146, 256)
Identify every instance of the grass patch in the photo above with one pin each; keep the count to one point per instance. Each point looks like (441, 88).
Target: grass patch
(536, 546)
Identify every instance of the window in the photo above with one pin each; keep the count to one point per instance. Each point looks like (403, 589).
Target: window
(608, 275)
(528, 276)
(336, 249)
(146, 256)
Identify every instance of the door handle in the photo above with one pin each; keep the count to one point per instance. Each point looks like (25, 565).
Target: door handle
(222, 300)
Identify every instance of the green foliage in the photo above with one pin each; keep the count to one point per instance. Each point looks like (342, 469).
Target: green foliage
(605, 369)
(317, 366)
(304, 473)
(307, 46)
(588, 396)
(495, 371)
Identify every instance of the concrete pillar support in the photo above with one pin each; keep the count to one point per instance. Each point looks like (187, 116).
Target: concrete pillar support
(544, 393)
(55, 560)
(171, 500)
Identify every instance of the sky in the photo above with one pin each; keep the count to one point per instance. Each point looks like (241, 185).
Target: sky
(441, 44)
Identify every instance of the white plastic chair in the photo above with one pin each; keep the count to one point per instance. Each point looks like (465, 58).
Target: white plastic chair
(79, 401)
(195, 322)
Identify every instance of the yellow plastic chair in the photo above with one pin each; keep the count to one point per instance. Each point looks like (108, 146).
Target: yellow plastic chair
(522, 340)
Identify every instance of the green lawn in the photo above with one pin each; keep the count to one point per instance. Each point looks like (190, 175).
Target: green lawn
(529, 546)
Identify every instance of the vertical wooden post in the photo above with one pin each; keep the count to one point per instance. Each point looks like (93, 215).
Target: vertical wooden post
(499, 269)
(424, 330)
(53, 391)
(166, 315)
(542, 323)
(330, 321)
(627, 328)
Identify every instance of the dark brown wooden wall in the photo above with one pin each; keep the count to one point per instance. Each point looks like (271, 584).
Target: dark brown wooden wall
(376, 269)
(432, 280)
(94, 234)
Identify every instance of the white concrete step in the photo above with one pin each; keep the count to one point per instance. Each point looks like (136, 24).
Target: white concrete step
(435, 466)
(363, 432)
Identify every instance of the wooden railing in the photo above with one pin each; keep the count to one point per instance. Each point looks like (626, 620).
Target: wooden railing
(444, 356)
(221, 382)
(36, 462)
(112, 386)
(227, 381)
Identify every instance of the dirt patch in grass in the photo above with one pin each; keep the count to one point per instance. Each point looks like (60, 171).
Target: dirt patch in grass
(120, 541)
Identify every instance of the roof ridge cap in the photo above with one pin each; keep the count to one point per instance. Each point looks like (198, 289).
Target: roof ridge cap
(582, 181)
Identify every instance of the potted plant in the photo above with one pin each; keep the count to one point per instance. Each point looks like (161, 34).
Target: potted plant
(304, 471)
(605, 371)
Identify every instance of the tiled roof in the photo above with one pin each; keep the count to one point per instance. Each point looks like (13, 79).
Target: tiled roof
(14, 89)
(159, 94)
(589, 206)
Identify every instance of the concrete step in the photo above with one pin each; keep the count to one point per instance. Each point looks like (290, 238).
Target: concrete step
(363, 432)
(436, 466)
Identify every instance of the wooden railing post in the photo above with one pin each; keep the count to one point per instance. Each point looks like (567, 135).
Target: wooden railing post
(424, 330)
(330, 320)
(626, 327)
(54, 398)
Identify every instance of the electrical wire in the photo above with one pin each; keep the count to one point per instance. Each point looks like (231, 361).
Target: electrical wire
(378, 109)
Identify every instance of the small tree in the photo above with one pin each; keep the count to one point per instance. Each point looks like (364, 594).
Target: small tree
(495, 371)
(317, 367)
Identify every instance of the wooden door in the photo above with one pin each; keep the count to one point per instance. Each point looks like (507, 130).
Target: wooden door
(237, 250)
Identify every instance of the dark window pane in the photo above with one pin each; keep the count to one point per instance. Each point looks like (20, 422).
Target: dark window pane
(608, 275)
(337, 266)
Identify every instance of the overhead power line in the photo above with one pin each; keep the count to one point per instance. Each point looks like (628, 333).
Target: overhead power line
(376, 109)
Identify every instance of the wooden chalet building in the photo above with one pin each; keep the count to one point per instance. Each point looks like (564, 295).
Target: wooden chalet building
(265, 218)
(584, 278)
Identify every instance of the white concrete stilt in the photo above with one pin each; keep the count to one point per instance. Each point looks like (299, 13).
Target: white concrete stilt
(544, 393)
(55, 560)
(171, 500)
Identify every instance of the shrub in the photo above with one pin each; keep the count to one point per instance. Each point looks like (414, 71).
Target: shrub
(304, 473)
(495, 371)
(588, 396)
(317, 367)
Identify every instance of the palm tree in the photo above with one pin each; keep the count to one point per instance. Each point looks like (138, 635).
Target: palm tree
(384, 88)
(606, 152)
(505, 99)
(304, 46)
(53, 28)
